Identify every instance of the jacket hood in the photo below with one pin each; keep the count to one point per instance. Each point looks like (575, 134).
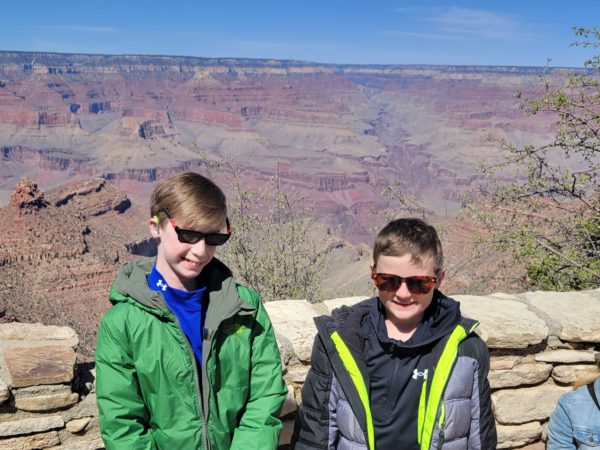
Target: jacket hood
(131, 285)
(440, 318)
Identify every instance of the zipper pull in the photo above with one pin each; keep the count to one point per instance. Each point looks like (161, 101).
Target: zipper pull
(440, 440)
(207, 334)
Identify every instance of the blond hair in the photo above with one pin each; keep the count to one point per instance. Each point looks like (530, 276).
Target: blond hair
(409, 236)
(192, 199)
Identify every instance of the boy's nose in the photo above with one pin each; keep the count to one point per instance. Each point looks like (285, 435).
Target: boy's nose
(402, 291)
(200, 247)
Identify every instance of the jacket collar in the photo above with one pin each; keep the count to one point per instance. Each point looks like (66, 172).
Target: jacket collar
(131, 286)
(440, 318)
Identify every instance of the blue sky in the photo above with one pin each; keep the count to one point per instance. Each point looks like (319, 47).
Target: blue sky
(484, 32)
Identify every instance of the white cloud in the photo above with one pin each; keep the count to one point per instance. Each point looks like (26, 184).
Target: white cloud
(420, 35)
(463, 23)
(482, 23)
(81, 29)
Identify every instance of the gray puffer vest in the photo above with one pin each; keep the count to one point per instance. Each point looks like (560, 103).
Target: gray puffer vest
(336, 412)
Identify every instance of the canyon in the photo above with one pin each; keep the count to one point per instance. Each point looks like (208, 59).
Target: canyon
(84, 139)
(340, 134)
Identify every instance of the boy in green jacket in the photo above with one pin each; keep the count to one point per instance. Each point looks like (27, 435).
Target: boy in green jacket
(186, 358)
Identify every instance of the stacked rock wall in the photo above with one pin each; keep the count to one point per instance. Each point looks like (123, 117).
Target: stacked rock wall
(45, 402)
(540, 343)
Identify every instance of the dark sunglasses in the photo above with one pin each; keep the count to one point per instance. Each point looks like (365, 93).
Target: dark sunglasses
(418, 284)
(193, 237)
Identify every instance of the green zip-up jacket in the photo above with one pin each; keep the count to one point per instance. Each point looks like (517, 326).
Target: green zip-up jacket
(151, 393)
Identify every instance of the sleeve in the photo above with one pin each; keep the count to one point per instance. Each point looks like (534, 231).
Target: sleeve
(481, 409)
(123, 415)
(560, 429)
(259, 426)
(315, 425)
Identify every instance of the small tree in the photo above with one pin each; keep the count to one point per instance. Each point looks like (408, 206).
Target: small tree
(549, 217)
(276, 247)
(403, 203)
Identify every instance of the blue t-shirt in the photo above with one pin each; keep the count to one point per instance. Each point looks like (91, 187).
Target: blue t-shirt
(188, 306)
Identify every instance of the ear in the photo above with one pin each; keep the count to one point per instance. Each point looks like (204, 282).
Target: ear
(440, 278)
(154, 228)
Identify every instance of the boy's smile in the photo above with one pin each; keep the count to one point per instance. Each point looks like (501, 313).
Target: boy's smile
(404, 310)
(193, 264)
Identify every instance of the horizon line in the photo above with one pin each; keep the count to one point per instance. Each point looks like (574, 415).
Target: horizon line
(294, 61)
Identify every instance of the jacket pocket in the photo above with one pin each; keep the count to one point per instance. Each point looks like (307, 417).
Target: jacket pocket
(587, 437)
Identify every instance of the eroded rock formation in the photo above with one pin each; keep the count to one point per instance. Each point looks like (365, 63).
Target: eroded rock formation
(27, 198)
(60, 250)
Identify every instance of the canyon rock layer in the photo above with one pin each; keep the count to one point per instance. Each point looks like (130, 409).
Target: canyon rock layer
(340, 134)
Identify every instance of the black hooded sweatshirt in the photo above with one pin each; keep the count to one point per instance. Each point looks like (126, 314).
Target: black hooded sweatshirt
(397, 369)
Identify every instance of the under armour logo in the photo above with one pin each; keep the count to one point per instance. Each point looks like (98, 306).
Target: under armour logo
(417, 374)
(161, 285)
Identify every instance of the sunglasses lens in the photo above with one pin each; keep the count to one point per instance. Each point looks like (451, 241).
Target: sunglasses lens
(193, 237)
(189, 236)
(419, 284)
(216, 238)
(387, 283)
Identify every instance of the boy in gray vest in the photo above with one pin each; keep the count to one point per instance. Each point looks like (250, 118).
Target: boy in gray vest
(403, 370)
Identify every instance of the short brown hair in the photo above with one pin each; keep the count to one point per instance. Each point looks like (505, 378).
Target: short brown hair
(409, 236)
(191, 198)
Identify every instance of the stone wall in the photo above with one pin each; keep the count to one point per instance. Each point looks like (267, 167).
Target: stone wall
(540, 342)
(45, 401)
